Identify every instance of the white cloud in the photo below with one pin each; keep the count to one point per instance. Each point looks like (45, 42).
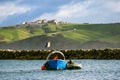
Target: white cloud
(89, 10)
(9, 9)
(72, 10)
(114, 6)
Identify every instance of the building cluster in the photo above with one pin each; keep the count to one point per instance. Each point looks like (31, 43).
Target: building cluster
(44, 21)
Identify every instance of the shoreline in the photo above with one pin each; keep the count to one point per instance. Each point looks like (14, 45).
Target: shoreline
(100, 54)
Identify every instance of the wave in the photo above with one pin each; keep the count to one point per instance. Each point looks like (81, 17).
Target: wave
(19, 70)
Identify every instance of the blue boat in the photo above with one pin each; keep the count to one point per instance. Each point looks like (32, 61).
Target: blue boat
(59, 64)
(55, 64)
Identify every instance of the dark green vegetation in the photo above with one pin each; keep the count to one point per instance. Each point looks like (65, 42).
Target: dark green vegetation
(73, 54)
(67, 36)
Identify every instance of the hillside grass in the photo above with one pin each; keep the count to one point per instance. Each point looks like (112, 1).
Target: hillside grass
(14, 34)
(9, 34)
(78, 32)
(82, 35)
(92, 32)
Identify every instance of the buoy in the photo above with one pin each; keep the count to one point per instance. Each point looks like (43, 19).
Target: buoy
(43, 67)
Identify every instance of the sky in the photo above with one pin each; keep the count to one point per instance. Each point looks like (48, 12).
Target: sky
(14, 12)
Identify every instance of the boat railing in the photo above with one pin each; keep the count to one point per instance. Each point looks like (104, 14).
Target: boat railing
(55, 52)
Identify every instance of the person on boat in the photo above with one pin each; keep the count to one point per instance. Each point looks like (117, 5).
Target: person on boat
(70, 62)
(55, 57)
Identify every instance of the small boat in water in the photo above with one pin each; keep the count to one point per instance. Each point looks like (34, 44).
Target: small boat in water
(73, 66)
(53, 63)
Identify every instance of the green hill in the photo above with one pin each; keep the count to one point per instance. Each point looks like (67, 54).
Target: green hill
(77, 33)
(13, 33)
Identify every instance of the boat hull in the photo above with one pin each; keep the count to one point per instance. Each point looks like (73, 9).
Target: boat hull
(56, 64)
(73, 66)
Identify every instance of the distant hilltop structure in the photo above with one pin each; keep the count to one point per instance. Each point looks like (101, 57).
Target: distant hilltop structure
(45, 21)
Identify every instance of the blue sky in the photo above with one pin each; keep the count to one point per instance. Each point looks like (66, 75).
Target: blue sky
(79, 11)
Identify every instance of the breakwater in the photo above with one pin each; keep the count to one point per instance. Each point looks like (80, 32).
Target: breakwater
(73, 54)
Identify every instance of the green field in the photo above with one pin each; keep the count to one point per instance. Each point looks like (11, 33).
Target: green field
(93, 32)
(78, 32)
(11, 34)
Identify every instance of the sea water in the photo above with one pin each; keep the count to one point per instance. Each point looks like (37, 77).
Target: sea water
(31, 70)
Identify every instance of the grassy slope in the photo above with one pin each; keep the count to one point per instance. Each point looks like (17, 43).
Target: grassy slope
(13, 34)
(93, 32)
(79, 32)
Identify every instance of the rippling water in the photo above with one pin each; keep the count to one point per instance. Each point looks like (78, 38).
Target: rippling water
(30, 70)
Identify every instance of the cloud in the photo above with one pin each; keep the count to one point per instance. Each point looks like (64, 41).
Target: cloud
(72, 10)
(114, 6)
(11, 8)
(87, 11)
